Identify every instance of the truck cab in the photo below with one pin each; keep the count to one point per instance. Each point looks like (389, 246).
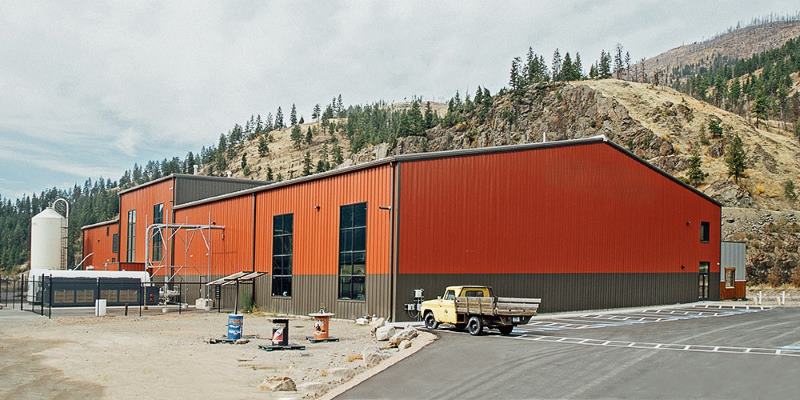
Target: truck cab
(444, 307)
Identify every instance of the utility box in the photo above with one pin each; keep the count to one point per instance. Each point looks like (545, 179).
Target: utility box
(204, 304)
(100, 307)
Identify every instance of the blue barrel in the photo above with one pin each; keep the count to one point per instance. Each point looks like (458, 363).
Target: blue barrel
(235, 322)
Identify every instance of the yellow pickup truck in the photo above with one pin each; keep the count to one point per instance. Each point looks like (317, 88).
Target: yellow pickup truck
(475, 308)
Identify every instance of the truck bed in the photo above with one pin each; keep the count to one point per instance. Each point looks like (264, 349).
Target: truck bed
(498, 306)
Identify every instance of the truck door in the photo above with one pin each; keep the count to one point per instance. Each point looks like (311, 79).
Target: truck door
(447, 308)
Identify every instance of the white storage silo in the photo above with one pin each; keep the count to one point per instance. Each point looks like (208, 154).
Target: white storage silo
(47, 239)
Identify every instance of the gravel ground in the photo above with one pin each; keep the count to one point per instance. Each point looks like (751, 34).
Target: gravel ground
(167, 356)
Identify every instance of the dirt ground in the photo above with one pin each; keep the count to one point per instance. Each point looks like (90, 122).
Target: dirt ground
(166, 356)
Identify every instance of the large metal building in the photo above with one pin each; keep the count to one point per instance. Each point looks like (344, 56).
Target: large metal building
(583, 224)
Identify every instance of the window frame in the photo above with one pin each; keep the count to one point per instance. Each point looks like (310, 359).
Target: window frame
(130, 251)
(283, 256)
(157, 241)
(705, 231)
(351, 253)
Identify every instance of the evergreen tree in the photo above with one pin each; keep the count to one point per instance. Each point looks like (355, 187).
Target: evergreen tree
(736, 158)
(760, 108)
(604, 65)
(296, 136)
(514, 77)
(317, 112)
(695, 175)
(270, 177)
(293, 115)
(301, 121)
(715, 128)
(566, 69)
(279, 119)
(618, 61)
(307, 164)
(416, 122)
(555, 71)
(338, 157)
(577, 68)
(309, 136)
(429, 113)
(245, 167)
(263, 146)
(734, 93)
(797, 129)
(789, 191)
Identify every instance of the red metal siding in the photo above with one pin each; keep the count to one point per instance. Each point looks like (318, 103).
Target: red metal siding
(316, 231)
(738, 291)
(98, 241)
(231, 249)
(575, 209)
(142, 200)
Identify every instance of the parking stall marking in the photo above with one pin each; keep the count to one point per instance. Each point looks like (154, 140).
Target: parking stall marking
(658, 346)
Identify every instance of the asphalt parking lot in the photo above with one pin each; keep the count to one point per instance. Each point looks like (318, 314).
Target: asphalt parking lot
(684, 352)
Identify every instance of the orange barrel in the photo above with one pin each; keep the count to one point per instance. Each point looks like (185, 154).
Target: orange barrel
(322, 321)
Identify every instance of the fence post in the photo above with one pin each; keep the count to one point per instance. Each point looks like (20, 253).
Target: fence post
(41, 287)
(180, 297)
(50, 299)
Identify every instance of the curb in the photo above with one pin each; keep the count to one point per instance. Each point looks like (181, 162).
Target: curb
(423, 340)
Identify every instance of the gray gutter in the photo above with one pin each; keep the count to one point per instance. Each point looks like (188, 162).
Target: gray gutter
(109, 222)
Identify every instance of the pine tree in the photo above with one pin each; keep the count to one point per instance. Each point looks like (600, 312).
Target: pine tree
(296, 136)
(338, 157)
(618, 61)
(593, 71)
(760, 108)
(789, 191)
(429, 113)
(566, 69)
(279, 119)
(736, 158)
(245, 167)
(513, 79)
(695, 175)
(301, 121)
(316, 113)
(577, 68)
(604, 66)
(628, 64)
(715, 128)
(797, 129)
(734, 94)
(263, 146)
(293, 115)
(307, 164)
(270, 177)
(555, 71)
(309, 136)
(416, 122)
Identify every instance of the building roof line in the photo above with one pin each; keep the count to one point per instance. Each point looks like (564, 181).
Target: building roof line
(102, 223)
(445, 154)
(190, 176)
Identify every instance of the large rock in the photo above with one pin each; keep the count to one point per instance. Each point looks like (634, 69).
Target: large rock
(362, 321)
(277, 384)
(406, 334)
(404, 344)
(375, 324)
(373, 357)
(385, 332)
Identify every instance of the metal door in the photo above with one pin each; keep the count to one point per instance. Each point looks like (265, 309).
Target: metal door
(702, 281)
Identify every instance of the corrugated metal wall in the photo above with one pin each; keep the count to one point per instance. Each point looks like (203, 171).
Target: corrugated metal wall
(582, 209)
(98, 241)
(316, 241)
(195, 187)
(142, 200)
(733, 256)
(231, 249)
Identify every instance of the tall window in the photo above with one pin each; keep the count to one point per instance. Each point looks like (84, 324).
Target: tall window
(282, 229)
(158, 218)
(352, 251)
(115, 243)
(730, 278)
(131, 235)
(705, 233)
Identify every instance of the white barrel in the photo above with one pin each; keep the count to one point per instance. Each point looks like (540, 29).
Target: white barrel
(47, 231)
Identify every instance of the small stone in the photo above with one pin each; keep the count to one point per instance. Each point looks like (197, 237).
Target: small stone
(404, 344)
(277, 384)
(406, 334)
(374, 357)
(375, 324)
(241, 341)
(384, 333)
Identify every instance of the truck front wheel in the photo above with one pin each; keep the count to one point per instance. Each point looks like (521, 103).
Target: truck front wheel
(430, 321)
(505, 330)
(475, 326)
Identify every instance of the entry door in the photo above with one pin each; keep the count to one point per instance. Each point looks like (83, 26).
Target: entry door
(702, 281)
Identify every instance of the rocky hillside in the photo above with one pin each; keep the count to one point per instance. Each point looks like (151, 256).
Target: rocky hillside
(736, 44)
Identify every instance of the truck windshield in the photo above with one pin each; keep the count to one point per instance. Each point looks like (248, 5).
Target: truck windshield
(449, 295)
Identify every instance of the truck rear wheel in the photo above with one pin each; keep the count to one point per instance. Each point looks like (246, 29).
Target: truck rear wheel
(430, 321)
(505, 330)
(475, 326)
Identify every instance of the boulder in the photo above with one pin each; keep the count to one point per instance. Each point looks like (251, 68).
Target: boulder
(406, 334)
(385, 332)
(362, 321)
(373, 357)
(404, 344)
(277, 384)
(375, 324)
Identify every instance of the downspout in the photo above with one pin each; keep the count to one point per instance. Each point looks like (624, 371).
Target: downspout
(253, 256)
(394, 237)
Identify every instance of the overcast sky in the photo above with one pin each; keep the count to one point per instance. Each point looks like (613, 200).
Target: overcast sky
(88, 89)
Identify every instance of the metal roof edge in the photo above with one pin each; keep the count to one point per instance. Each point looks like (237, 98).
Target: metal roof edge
(148, 183)
(101, 223)
(190, 176)
(662, 172)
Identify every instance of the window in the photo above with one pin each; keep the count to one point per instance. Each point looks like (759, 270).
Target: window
(730, 277)
(115, 243)
(158, 218)
(449, 295)
(473, 293)
(131, 235)
(704, 231)
(352, 251)
(282, 230)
